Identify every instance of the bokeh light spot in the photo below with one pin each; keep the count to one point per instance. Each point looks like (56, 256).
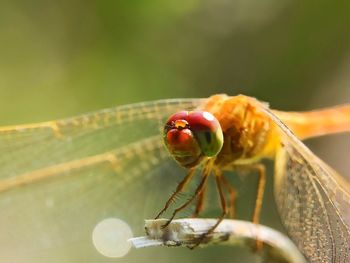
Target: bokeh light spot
(110, 237)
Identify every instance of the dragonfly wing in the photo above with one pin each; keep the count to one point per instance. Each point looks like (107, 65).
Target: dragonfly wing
(58, 180)
(29, 147)
(313, 200)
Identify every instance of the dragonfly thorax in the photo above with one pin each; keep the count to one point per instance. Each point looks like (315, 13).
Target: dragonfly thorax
(246, 129)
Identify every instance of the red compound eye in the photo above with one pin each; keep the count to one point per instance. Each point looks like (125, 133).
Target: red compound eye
(190, 136)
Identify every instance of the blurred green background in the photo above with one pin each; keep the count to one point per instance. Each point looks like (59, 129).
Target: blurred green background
(59, 59)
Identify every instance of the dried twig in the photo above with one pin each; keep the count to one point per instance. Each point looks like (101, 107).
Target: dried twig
(186, 232)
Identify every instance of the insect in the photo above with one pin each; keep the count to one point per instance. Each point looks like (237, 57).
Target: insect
(59, 179)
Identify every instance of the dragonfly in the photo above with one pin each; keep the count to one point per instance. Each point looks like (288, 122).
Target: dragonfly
(64, 182)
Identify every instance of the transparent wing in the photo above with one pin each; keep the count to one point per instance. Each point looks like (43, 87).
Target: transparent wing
(313, 200)
(35, 146)
(59, 179)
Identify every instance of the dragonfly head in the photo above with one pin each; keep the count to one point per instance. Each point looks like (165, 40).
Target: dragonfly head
(190, 136)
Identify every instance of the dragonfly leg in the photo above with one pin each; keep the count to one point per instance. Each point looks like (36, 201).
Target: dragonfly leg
(200, 202)
(179, 188)
(260, 169)
(259, 199)
(232, 197)
(219, 184)
(260, 191)
(199, 189)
